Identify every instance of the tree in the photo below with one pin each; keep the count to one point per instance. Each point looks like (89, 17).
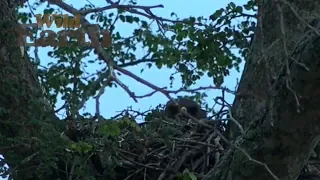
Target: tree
(275, 106)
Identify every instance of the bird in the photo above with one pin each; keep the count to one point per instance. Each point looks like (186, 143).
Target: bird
(173, 108)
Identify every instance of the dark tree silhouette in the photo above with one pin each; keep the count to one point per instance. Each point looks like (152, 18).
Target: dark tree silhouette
(277, 102)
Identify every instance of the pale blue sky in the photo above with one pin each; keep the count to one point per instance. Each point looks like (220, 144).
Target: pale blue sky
(116, 99)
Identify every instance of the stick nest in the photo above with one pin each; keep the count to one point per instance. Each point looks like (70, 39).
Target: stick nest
(165, 148)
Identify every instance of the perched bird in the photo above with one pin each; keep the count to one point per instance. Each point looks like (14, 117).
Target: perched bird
(173, 108)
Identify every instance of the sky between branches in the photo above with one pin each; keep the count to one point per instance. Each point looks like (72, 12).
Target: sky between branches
(115, 99)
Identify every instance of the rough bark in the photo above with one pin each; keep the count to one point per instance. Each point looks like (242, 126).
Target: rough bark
(21, 101)
(275, 132)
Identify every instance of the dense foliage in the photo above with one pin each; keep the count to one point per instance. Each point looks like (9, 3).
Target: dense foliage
(195, 47)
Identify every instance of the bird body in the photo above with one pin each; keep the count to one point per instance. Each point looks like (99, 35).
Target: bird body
(173, 108)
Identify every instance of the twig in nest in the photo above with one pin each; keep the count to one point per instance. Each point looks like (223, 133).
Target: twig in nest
(217, 154)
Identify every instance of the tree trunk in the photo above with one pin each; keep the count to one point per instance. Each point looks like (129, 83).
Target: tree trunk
(21, 101)
(275, 132)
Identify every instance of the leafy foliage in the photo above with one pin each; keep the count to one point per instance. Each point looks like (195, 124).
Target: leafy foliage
(195, 47)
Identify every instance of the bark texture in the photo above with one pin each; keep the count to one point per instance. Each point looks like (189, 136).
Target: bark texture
(21, 101)
(275, 132)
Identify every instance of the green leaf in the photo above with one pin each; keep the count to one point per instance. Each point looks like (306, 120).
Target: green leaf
(187, 175)
(122, 18)
(48, 11)
(192, 176)
(239, 9)
(120, 10)
(129, 19)
(144, 24)
(136, 19)
(73, 146)
(179, 37)
(173, 14)
(85, 147)
(109, 129)
(216, 15)
(232, 5)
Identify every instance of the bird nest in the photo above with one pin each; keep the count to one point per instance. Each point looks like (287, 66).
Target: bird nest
(165, 148)
(161, 148)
